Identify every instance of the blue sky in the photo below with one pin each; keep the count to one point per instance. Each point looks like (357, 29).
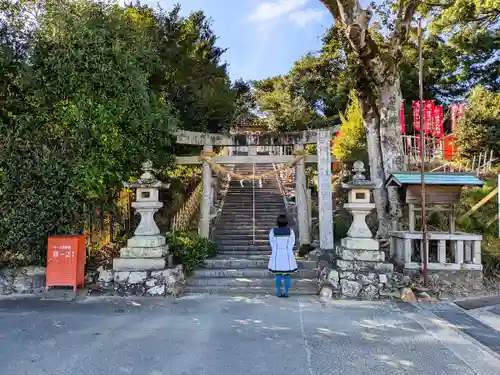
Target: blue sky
(264, 37)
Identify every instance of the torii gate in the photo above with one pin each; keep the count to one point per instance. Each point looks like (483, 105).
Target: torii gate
(320, 137)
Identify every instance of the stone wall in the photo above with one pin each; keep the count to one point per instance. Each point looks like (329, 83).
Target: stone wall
(368, 284)
(139, 283)
(31, 280)
(22, 280)
(382, 282)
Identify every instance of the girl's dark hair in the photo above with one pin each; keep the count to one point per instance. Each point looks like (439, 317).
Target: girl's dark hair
(282, 221)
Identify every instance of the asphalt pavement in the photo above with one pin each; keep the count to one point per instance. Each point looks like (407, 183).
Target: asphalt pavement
(216, 335)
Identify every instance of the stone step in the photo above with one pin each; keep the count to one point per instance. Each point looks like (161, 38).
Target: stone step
(233, 252)
(236, 187)
(260, 273)
(270, 195)
(241, 255)
(260, 204)
(269, 219)
(262, 208)
(240, 240)
(276, 198)
(248, 201)
(219, 232)
(268, 215)
(255, 247)
(245, 228)
(257, 262)
(253, 282)
(259, 212)
(269, 211)
(234, 223)
(248, 290)
(243, 242)
(240, 236)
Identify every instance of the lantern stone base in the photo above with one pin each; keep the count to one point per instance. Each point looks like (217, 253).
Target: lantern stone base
(361, 255)
(138, 264)
(360, 243)
(146, 241)
(143, 253)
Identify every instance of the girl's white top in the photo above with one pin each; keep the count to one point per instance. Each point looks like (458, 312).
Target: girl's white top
(282, 241)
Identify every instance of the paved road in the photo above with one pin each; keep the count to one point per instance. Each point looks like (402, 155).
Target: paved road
(209, 335)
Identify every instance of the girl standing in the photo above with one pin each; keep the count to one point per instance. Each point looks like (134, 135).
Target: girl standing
(282, 262)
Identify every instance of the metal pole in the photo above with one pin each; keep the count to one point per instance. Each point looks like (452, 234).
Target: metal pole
(424, 248)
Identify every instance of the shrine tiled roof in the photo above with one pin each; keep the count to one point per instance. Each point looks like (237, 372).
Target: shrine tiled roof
(434, 178)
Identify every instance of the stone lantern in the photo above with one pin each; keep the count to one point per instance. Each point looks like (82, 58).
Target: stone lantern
(147, 249)
(359, 206)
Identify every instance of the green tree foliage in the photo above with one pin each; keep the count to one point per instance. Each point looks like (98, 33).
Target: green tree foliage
(284, 111)
(472, 28)
(89, 90)
(350, 144)
(192, 74)
(479, 130)
(312, 94)
(245, 103)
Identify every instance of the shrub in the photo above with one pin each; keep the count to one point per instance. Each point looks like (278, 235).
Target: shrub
(189, 249)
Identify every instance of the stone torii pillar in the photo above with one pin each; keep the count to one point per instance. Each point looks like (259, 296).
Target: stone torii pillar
(326, 237)
(204, 226)
(301, 200)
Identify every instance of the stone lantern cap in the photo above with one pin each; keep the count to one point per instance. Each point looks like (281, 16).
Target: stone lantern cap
(359, 180)
(147, 179)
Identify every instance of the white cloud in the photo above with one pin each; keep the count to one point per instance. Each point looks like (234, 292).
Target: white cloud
(275, 9)
(304, 16)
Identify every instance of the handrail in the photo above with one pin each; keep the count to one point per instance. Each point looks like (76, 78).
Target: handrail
(182, 219)
(281, 187)
(223, 198)
(253, 205)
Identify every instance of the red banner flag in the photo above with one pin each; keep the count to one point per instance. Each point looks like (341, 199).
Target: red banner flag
(461, 111)
(402, 118)
(416, 115)
(428, 114)
(437, 122)
(454, 116)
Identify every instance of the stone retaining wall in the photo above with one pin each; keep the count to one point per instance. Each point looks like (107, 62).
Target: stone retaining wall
(22, 280)
(31, 280)
(142, 283)
(384, 283)
(333, 282)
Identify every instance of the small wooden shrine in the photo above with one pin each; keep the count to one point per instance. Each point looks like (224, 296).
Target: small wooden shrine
(450, 250)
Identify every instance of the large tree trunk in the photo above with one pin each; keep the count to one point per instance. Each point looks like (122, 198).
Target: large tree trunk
(379, 95)
(391, 145)
(371, 121)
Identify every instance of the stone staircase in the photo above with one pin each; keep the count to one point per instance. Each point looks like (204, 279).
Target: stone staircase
(241, 264)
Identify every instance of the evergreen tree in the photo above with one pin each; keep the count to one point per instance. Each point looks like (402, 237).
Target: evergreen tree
(350, 143)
